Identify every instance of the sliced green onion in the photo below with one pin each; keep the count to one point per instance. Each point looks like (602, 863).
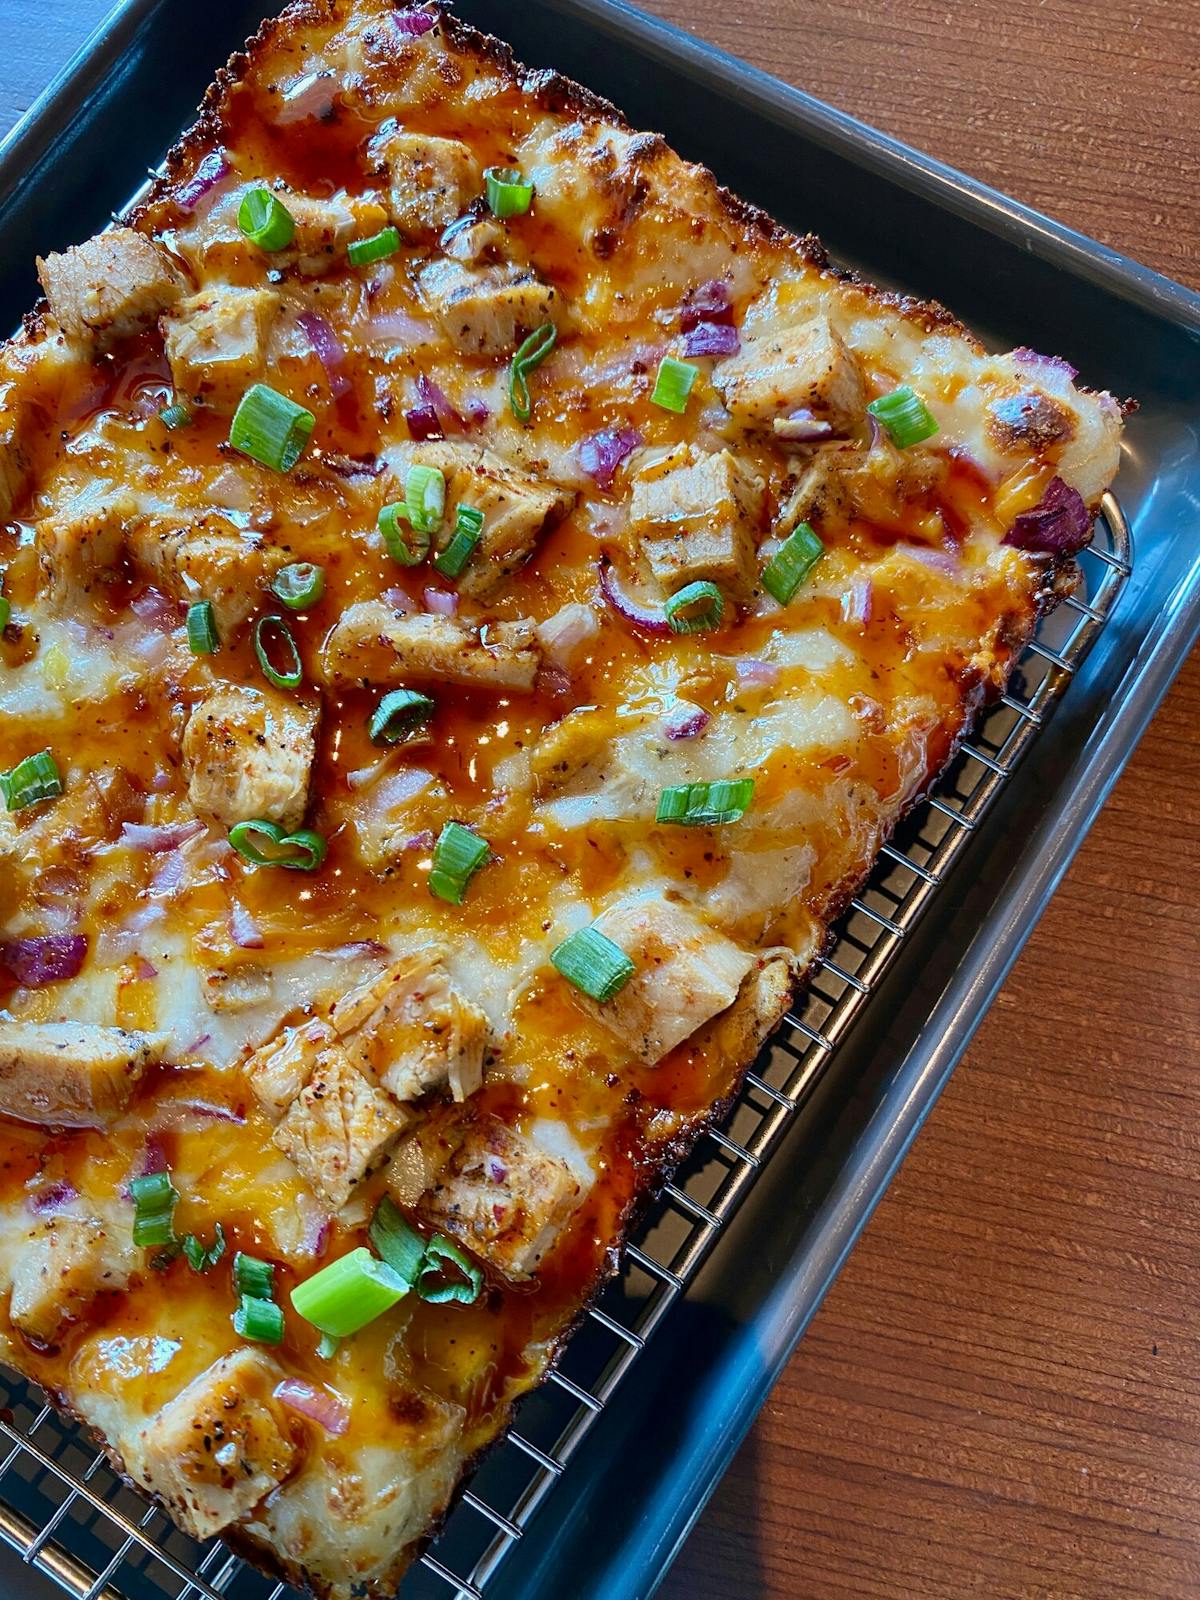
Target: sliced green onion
(905, 415)
(508, 195)
(303, 851)
(200, 1257)
(347, 1294)
(36, 778)
(5, 612)
(792, 563)
(384, 243)
(400, 1246)
(673, 384)
(265, 220)
(270, 428)
(328, 1346)
(468, 528)
(696, 608)
(253, 1277)
(398, 714)
(299, 586)
(593, 963)
(260, 1320)
(531, 354)
(154, 1198)
(425, 497)
(177, 415)
(706, 805)
(457, 857)
(406, 545)
(273, 634)
(433, 1282)
(202, 628)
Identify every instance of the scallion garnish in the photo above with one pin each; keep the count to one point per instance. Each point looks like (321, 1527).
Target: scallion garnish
(5, 606)
(154, 1198)
(253, 1277)
(425, 497)
(706, 805)
(531, 354)
(177, 415)
(202, 628)
(468, 529)
(398, 714)
(436, 1285)
(905, 415)
(302, 851)
(270, 428)
(201, 1257)
(273, 636)
(36, 778)
(384, 243)
(299, 586)
(406, 545)
(508, 195)
(592, 962)
(347, 1294)
(792, 563)
(673, 384)
(265, 220)
(327, 1346)
(401, 1247)
(259, 1320)
(457, 857)
(696, 608)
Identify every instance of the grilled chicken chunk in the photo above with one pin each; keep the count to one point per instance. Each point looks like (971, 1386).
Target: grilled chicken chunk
(324, 228)
(81, 545)
(219, 1447)
(430, 180)
(279, 1069)
(15, 458)
(698, 520)
(503, 1196)
(487, 311)
(60, 1269)
(71, 1074)
(370, 644)
(249, 753)
(217, 344)
(786, 370)
(110, 286)
(684, 974)
(205, 557)
(338, 1127)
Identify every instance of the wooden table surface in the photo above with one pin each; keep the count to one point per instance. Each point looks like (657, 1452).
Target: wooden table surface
(1001, 1395)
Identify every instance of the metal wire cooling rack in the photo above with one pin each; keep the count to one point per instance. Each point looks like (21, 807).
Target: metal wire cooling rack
(65, 1511)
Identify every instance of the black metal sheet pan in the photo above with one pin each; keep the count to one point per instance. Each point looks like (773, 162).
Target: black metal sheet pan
(644, 1470)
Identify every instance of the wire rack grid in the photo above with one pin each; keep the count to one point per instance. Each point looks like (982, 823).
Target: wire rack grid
(65, 1511)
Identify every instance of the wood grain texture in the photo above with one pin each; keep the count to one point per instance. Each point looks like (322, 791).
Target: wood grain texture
(1001, 1396)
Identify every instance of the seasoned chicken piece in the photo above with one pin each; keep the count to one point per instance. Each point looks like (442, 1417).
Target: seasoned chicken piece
(806, 369)
(324, 228)
(478, 236)
(487, 311)
(504, 1197)
(699, 521)
(81, 545)
(339, 1126)
(71, 1074)
(15, 459)
(60, 1269)
(217, 343)
(279, 1069)
(410, 1029)
(370, 644)
(206, 558)
(684, 974)
(220, 1446)
(249, 753)
(237, 988)
(109, 286)
(430, 180)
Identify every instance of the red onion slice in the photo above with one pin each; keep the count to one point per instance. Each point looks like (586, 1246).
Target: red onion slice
(52, 1198)
(600, 454)
(754, 671)
(156, 841)
(329, 350)
(857, 601)
(637, 615)
(243, 929)
(154, 608)
(423, 423)
(802, 426)
(412, 24)
(1058, 526)
(320, 1405)
(708, 302)
(444, 602)
(1025, 357)
(48, 958)
(307, 98)
(685, 722)
(936, 560)
(435, 398)
(207, 175)
(712, 339)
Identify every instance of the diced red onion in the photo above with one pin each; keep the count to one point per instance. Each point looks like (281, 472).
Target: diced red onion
(1058, 526)
(708, 302)
(197, 1044)
(420, 841)
(144, 970)
(937, 560)
(857, 601)
(442, 601)
(320, 1405)
(155, 608)
(52, 1198)
(423, 423)
(477, 412)
(494, 1169)
(243, 929)
(318, 1228)
(207, 175)
(45, 959)
(566, 631)
(329, 350)
(170, 875)
(399, 599)
(638, 615)
(412, 24)
(155, 841)
(712, 339)
(310, 96)
(154, 1155)
(552, 679)
(756, 671)
(434, 396)
(206, 1110)
(1025, 357)
(685, 722)
(398, 327)
(600, 454)
(802, 426)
